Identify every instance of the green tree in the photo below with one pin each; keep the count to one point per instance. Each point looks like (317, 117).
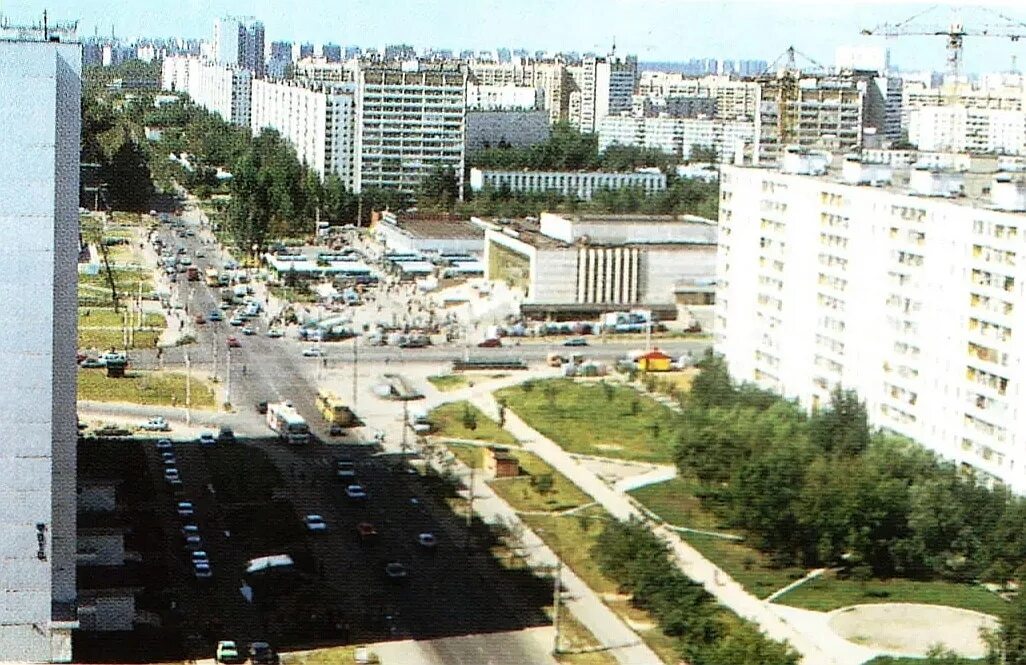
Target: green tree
(745, 644)
(128, 178)
(1011, 635)
(439, 189)
(843, 426)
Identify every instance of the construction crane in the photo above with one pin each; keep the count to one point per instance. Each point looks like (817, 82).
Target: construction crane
(955, 33)
(783, 75)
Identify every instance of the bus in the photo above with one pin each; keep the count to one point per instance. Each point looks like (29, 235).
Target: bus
(334, 409)
(212, 278)
(287, 423)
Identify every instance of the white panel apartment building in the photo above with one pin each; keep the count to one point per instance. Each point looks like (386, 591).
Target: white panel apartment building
(407, 124)
(913, 300)
(581, 184)
(735, 100)
(40, 101)
(316, 118)
(224, 90)
(956, 128)
(677, 136)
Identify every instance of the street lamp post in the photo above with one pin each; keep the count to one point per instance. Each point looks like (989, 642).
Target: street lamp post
(228, 378)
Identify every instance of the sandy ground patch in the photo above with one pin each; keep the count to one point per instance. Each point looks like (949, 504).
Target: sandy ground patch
(911, 629)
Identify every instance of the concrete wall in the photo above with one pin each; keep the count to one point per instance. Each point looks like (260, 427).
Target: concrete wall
(663, 268)
(101, 549)
(108, 612)
(97, 499)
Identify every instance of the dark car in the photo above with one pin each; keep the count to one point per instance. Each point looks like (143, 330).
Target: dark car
(261, 653)
(226, 435)
(261, 407)
(490, 343)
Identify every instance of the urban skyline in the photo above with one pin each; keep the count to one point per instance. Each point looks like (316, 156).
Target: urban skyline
(655, 30)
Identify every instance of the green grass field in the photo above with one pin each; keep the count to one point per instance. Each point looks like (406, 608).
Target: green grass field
(138, 387)
(447, 382)
(523, 493)
(448, 420)
(747, 565)
(675, 502)
(596, 419)
(571, 537)
(829, 593)
(102, 339)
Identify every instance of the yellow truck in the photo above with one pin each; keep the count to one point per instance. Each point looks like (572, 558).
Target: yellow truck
(334, 409)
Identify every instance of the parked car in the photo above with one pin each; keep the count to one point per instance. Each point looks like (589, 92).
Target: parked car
(225, 434)
(345, 468)
(576, 341)
(215, 315)
(261, 653)
(172, 476)
(236, 321)
(202, 570)
(233, 342)
(185, 509)
(490, 343)
(427, 540)
(164, 444)
(228, 652)
(313, 352)
(156, 424)
(315, 523)
(207, 439)
(274, 333)
(90, 363)
(199, 556)
(261, 407)
(199, 319)
(248, 330)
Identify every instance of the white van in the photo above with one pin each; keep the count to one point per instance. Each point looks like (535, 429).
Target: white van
(271, 563)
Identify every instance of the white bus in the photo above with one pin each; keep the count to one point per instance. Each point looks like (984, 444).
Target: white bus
(287, 423)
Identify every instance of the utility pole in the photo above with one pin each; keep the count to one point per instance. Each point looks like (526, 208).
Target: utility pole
(355, 364)
(188, 389)
(557, 602)
(228, 379)
(470, 506)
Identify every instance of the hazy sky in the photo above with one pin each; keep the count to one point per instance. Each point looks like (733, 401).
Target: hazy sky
(653, 29)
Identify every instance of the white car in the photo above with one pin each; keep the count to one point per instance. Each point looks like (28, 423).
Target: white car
(164, 444)
(156, 424)
(185, 508)
(313, 352)
(207, 439)
(202, 571)
(427, 540)
(356, 492)
(315, 523)
(275, 332)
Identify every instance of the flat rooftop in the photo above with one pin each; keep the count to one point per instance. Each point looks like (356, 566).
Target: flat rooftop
(457, 229)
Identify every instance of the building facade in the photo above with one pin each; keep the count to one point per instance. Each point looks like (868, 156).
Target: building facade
(678, 136)
(40, 101)
(317, 119)
(408, 123)
(491, 129)
(239, 42)
(221, 89)
(909, 292)
(956, 128)
(580, 184)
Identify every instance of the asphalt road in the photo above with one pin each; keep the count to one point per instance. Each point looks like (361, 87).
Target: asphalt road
(451, 591)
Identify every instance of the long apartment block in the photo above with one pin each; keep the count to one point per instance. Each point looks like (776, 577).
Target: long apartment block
(906, 285)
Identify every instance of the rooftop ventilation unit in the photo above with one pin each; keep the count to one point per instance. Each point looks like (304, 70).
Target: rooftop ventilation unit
(924, 181)
(1008, 194)
(856, 172)
(798, 161)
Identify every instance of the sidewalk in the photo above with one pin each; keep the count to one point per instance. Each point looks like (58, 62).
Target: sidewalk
(815, 647)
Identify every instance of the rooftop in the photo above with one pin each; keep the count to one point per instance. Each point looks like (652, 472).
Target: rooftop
(439, 227)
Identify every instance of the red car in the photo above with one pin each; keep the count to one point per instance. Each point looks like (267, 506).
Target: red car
(490, 343)
(366, 531)
(234, 342)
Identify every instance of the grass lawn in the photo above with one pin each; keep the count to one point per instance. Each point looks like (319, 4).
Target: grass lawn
(677, 380)
(100, 317)
(829, 593)
(573, 636)
(332, 656)
(675, 501)
(522, 493)
(447, 382)
(447, 420)
(139, 387)
(154, 320)
(469, 454)
(571, 538)
(891, 660)
(109, 338)
(596, 419)
(747, 565)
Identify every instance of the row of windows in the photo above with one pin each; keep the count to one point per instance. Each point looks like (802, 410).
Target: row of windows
(830, 323)
(901, 394)
(835, 283)
(982, 378)
(990, 429)
(1001, 231)
(902, 326)
(829, 302)
(904, 371)
(994, 255)
(831, 240)
(984, 452)
(833, 221)
(908, 214)
(770, 301)
(913, 237)
(987, 354)
(831, 261)
(829, 343)
(996, 305)
(906, 349)
(773, 264)
(827, 364)
(896, 414)
(779, 227)
(773, 282)
(907, 258)
(906, 305)
(831, 199)
(991, 330)
(993, 280)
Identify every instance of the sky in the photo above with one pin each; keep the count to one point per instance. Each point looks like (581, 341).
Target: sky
(654, 30)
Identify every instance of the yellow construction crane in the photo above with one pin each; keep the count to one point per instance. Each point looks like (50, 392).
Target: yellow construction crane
(955, 33)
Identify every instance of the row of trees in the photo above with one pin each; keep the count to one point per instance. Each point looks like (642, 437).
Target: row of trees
(113, 154)
(825, 490)
(630, 554)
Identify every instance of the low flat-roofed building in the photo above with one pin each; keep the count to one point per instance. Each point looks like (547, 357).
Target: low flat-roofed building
(429, 233)
(580, 184)
(601, 262)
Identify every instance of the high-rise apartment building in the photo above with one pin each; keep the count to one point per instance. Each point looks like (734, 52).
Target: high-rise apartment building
(678, 136)
(40, 101)
(408, 123)
(316, 118)
(735, 100)
(955, 128)
(605, 86)
(300, 51)
(222, 89)
(239, 42)
(904, 285)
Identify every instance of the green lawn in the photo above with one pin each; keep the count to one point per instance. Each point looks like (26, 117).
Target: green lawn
(139, 387)
(102, 339)
(448, 420)
(100, 317)
(571, 537)
(522, 493)
(676, 502)
(447, 382)
(829, 593)
(747, 565)
(469, 454)
(596, 419)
